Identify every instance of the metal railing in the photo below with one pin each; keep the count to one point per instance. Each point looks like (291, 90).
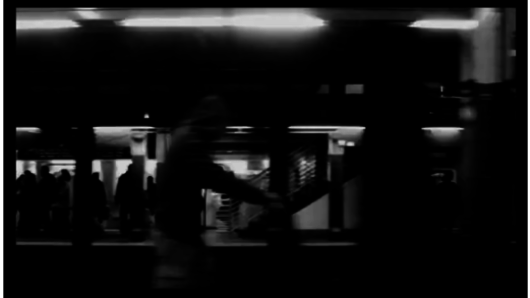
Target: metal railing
(303, 172)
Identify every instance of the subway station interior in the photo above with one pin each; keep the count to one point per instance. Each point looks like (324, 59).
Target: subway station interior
(393, 137)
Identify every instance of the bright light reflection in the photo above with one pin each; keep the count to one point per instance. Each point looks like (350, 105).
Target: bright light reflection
(28, 129)
(277, 21)
(176, 22)
(443, 128)
(88, 13)
(264, 21)
(446, 24)
(45, 24)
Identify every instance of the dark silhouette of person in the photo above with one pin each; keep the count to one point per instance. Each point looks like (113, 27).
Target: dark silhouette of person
(151, 194)
(183, 261)
(62, 207)
(448, 197)
(47, 191)
(98, 198)
(130, 199)
(28, 221)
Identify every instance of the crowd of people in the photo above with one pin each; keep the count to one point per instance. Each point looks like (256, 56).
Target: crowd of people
(44, 206)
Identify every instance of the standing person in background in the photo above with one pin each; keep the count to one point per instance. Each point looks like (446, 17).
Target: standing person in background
(47, 191)
(130, 200)
(98, 196)
(28, 220)
(182, 258)
(61, 208)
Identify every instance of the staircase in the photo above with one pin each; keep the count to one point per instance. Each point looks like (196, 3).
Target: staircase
(307, 183)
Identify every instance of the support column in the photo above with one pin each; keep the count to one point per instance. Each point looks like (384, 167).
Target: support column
(279, 160)
(108, 169)
(139, 158)
(336, 195)
(489, 160)
(162, 146)
(84, 151)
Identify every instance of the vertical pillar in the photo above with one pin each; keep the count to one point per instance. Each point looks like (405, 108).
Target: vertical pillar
(279, 160)
(162, 146)
(84, 147)
(139, 156)
(108, 169)
(488, 159)
(336, 197)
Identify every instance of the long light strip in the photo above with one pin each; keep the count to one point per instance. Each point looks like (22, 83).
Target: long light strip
(88, 13)
(325, 127)
(443, 128)
(277, 21)
(263, 21)
(28, 129)
(45, 24)
(446, 24)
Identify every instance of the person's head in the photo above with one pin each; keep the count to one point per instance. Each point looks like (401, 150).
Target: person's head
(208, 118)
(150, 180)
(27, 173)
(65, 175)
(130, 168)
(45, 170)
(95, 175)
(448, 176)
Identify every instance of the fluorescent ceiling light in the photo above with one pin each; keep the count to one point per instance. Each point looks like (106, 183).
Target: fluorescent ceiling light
(277, 21)
(443, 128)
(264, 21)
(88, 13)
(175, 22)
(121, 128)
(314, 127)
(28, 129)
(326, 127)
(446, 24)
(239, 127)
(45, 24)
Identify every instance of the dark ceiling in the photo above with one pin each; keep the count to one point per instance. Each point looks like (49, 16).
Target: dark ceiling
(113, 76)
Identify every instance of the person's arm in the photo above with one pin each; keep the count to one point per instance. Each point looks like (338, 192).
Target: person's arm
(219, 180)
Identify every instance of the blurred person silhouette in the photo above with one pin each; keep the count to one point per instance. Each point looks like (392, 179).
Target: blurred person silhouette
(47, 192)
(130, 200)
(61, 208)
(28, 216)
(98, 195)
(183, 260)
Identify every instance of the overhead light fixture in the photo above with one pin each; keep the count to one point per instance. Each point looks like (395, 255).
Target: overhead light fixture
(277, 21)
(28, 129)
(263, 21)
(45, 24)
(446, 24)
(443, 128)
(314, 127)
(175, 22)
(146, 116)
(239, 127)
(88, 13)
(121, 128)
